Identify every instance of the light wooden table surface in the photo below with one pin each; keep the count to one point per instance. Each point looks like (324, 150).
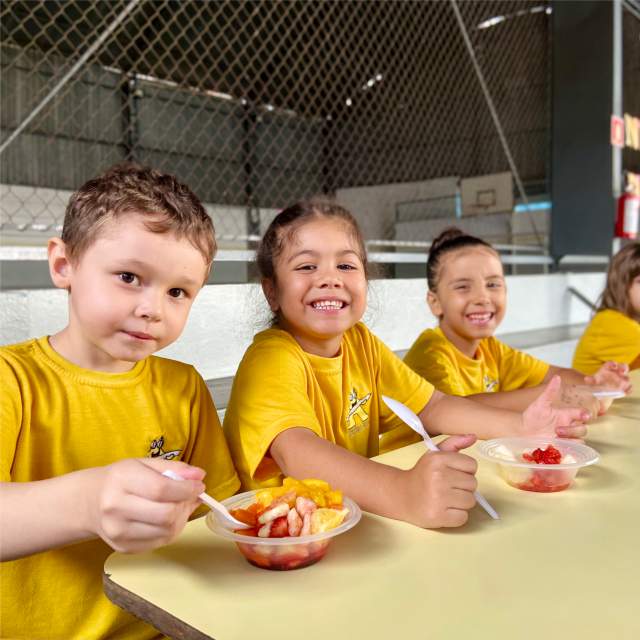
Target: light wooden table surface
(563, 565)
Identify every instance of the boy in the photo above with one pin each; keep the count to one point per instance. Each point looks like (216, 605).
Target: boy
(90, 418)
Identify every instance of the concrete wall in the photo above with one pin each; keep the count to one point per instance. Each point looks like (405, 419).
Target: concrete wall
(375, 206)
(224, 318)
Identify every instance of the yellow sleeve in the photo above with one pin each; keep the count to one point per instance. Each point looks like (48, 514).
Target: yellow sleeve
(207, 447)
(10, 418)
(610, 336)
(269, 396)
(518, 370)
(436, 364)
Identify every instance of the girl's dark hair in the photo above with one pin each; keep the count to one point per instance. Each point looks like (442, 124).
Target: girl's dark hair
(624, 267)
(451, 239)
(285, 225)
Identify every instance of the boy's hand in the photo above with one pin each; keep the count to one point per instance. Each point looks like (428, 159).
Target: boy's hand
(134, 508)
(439, 489)
(612, 375)
(544, 418)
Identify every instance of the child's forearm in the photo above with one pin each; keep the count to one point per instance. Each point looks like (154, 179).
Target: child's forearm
(454, 415)
(516, 400)
(375, 487)
(37, 516)
(568, 376)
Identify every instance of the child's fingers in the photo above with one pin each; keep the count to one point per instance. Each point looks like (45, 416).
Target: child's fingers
(152, 485)
(569, 416)
(465, 481)
(578, 431)
(159, 514)
(552, 389)
(455, 517)
(458, 462)
(456, 443)
(460, 499)
(187, 471)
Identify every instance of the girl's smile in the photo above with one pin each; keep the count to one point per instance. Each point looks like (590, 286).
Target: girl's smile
(470, 300)
(320, 288)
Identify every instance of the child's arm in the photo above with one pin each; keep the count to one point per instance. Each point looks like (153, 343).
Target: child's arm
(452, 415)
(519, 399)
(515, 400)
(129, 504)
(437, 492)
(610, 374)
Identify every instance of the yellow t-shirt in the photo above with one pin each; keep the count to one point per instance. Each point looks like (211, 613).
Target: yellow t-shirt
(496, 366)
(611, 335)
(57, 418)
(279, 386)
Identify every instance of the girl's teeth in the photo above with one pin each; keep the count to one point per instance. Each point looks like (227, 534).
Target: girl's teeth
(325, 305)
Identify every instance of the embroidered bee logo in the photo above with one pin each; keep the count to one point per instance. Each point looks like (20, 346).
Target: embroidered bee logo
(156, 450)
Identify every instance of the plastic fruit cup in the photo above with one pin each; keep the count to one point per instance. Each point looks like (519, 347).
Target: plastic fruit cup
(529, 476)
(281, 554)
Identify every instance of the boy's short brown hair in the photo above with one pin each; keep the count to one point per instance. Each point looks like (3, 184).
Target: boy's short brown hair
(126, 188)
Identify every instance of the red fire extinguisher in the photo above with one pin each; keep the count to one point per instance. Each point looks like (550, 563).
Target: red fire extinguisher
(628, 216)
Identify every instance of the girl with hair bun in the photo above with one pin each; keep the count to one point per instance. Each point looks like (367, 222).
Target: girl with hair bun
(467, 293)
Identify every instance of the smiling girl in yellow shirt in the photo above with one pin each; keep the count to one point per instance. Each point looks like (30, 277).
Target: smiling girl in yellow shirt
(467, 293)
(307, 396)
(614, 332)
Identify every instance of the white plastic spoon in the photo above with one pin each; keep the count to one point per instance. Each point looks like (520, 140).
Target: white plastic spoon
(226, 518)
(411, 419)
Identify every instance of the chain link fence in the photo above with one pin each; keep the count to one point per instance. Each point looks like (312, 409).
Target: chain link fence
(257, 104)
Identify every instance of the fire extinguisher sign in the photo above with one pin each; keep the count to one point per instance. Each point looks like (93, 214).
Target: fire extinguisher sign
(617, 132)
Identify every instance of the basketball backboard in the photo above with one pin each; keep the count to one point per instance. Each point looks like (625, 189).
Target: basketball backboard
(492, 193)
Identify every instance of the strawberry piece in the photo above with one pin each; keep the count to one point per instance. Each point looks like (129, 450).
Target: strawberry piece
(265, 530)
(550, 455)
(279, 528)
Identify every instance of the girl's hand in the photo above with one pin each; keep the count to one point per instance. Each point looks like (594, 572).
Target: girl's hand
(544, 418)
(134, 508)
(613, 375)
(438, 491)
(574, 397)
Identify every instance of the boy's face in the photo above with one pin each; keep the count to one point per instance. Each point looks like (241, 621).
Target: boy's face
(130, 294)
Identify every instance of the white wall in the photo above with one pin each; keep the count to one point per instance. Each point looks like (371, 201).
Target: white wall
(375, 206)
(225, 317)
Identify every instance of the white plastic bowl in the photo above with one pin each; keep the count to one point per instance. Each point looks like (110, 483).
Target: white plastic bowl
(530, 476)
(281, 554)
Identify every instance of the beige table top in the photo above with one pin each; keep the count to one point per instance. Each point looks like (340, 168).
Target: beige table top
(564, 565)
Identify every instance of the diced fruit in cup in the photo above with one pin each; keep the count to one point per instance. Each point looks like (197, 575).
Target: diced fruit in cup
(297, 508)
(550, 455)
(294, 556)
(326, 519)
(544, 482)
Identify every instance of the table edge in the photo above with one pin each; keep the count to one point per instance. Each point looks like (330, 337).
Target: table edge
(146, 611)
